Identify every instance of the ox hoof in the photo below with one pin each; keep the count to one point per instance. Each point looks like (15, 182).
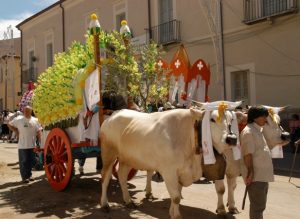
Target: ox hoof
(105, 209)
(221, 211)
(149, 196)
(233, 210)
(131, 205)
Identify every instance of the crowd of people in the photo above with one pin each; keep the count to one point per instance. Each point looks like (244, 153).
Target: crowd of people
(7, 134)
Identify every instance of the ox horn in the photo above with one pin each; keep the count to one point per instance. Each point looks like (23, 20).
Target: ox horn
(199, 104)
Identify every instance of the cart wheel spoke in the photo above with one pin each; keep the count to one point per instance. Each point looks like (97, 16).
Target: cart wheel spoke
(59, 174)
(62, 148)
(51, 147)
(53, 171)
(59, 141)
(55, 143)
(64, 156)
(63, 168)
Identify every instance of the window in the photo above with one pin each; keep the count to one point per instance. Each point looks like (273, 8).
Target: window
(119, 18)
(1, 104)
(166, 27)
(1, 74)
(32, 59)
(240, 86)
(258, 10)
(273, 6)
(119, 13)
(49, 51)
(165, 11)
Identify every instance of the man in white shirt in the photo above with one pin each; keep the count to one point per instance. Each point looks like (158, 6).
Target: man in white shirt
(257, 168)
(27, 128)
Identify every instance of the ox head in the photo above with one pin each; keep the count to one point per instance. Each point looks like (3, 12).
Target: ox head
(273, 132)
(221, 122)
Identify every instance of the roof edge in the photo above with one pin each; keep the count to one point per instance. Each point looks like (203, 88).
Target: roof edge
(39, 13)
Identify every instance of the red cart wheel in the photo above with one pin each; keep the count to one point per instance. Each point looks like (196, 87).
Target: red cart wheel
(58, 159)
(131, 173)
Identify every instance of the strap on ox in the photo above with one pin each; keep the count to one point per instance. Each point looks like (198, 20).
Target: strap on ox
(87, 118)
(214, 171)
(198, 136)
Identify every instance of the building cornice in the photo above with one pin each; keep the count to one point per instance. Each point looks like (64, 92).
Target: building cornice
(39, 13)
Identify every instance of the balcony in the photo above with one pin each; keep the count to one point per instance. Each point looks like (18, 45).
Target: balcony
(166, 33)
(259, 10)
(29, 75)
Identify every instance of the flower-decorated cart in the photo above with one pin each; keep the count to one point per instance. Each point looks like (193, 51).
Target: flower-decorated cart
(67, 101)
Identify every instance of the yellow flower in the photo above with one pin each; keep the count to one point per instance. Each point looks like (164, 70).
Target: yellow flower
(82, 83)
(221, 109)
(79, 101)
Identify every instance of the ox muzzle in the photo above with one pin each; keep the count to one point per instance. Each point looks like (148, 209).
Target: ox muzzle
(285, 136)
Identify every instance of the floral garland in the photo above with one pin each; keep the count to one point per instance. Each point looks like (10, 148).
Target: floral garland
(54, 98)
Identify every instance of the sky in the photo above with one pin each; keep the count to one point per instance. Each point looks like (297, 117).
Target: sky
(13, 12)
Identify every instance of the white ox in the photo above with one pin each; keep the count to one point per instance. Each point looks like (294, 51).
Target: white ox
(163, 142)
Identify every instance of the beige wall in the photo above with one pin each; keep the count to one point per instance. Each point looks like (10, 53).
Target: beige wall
(270, 51)
(35, 34)
(11, 67)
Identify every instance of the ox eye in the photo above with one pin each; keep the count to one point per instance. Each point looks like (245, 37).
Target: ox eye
(212, 120)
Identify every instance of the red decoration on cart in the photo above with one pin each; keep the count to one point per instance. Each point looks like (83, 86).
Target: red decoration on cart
(200, 68)
(27, 96)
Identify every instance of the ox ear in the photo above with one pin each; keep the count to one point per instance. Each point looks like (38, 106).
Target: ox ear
(197, 114)
(196, 103)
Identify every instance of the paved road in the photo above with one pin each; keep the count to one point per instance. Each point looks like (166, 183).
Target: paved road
(81, 199)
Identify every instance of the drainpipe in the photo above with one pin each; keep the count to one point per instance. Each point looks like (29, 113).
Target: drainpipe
(6, 74)
(63, 24)
(149, 19)
(21, 63)
(222, 48)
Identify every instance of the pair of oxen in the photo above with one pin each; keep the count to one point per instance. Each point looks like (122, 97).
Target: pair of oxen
(165, 142)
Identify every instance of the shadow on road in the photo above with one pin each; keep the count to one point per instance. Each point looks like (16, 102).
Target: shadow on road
(83, 196)
(12, 164)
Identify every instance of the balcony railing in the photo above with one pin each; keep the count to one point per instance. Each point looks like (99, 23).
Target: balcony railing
(258, 10)
(165, 33)
(29, 75)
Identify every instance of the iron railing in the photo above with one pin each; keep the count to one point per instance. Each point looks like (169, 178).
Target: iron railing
(258, 10)
(29, 75)
(165, 33)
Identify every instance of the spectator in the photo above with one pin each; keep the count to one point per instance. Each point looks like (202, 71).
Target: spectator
(294, 125)
(4, 126)
(27, 129)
